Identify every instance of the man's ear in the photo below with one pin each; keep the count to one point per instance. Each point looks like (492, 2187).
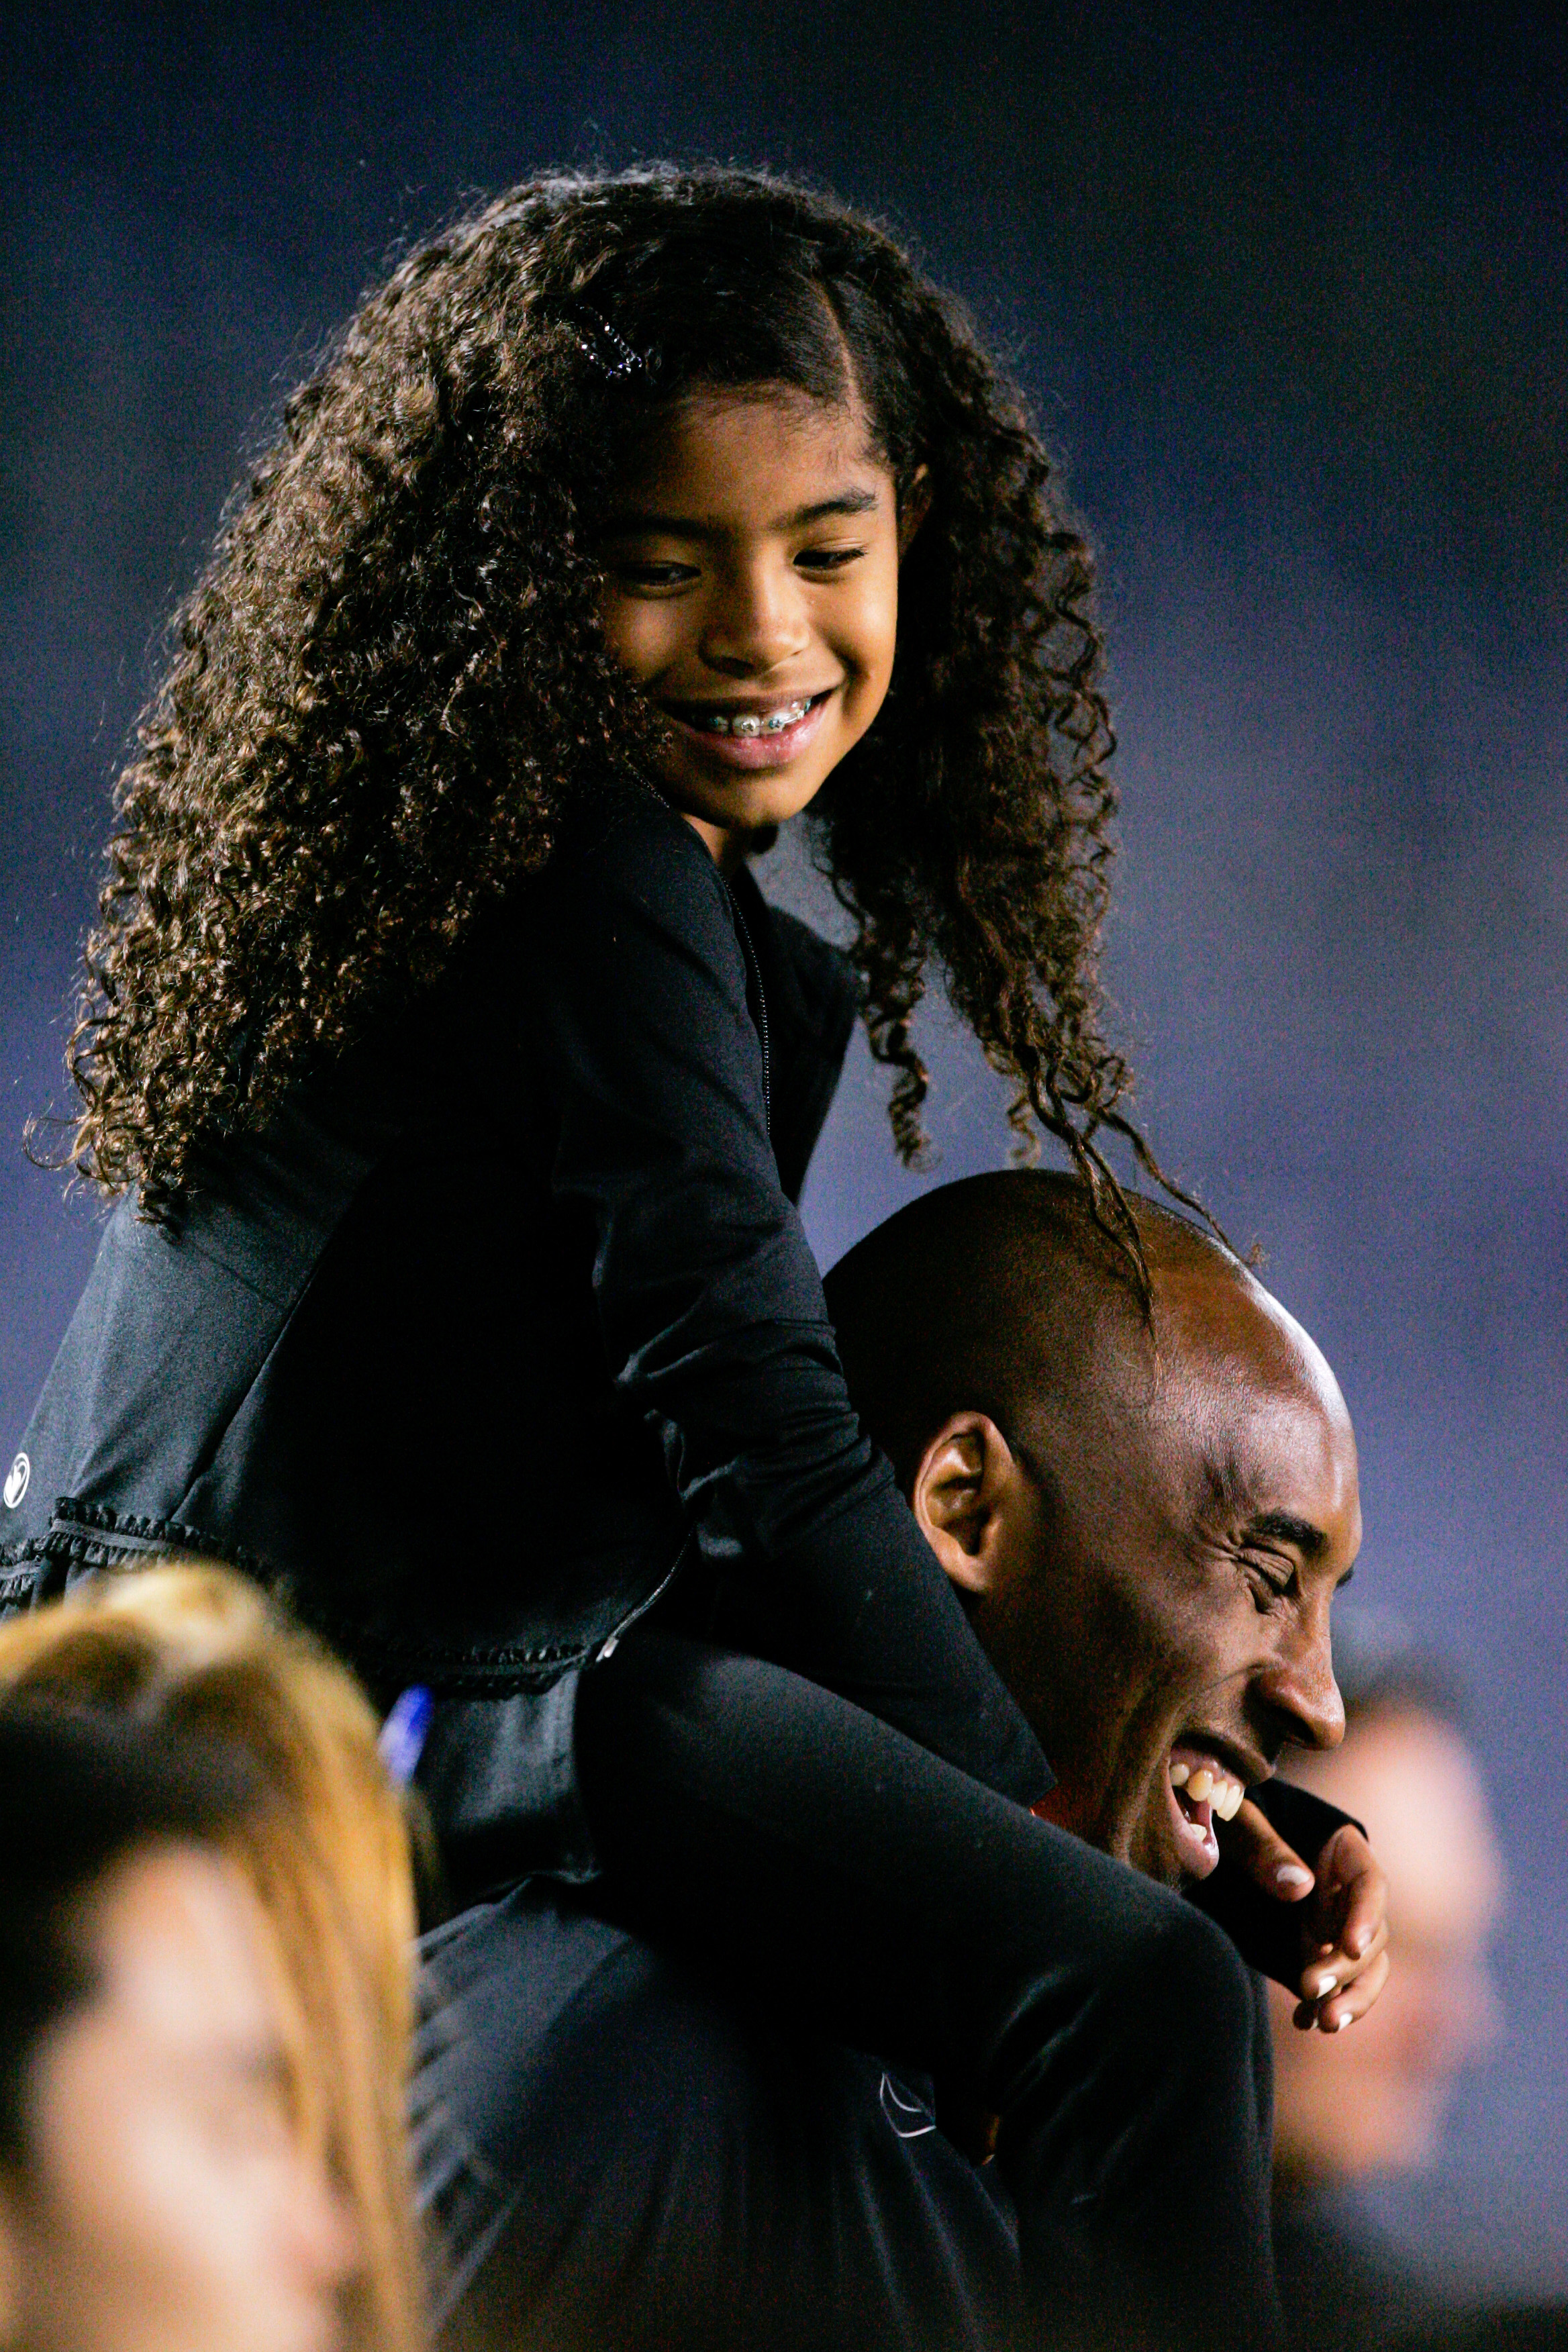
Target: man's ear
(966, 1498)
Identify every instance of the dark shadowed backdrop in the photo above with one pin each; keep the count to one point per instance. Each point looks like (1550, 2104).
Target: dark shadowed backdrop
(1287, 285)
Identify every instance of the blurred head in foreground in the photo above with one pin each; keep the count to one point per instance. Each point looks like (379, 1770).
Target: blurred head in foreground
(206, 2027)
(1375, 2101)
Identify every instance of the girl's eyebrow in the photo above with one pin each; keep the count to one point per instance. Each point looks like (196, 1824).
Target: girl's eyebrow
(847, 502)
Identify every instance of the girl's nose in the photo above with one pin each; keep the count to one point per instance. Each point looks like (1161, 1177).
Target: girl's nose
(756, 622)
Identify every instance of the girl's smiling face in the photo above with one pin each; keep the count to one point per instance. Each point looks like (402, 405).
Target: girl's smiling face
(751, 590)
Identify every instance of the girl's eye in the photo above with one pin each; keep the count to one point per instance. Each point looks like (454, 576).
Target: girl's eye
(827, 559)
(646, 577)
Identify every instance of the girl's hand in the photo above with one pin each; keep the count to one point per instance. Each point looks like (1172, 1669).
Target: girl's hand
(1344, 1916)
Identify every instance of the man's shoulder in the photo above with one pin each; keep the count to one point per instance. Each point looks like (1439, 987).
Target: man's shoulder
(673, 2130)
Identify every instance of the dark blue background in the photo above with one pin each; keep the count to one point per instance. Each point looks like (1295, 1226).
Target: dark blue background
(1288, 286)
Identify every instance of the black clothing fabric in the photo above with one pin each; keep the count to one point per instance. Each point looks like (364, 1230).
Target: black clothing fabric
(502, 1318)
(611, 2150)
(1113, 2030)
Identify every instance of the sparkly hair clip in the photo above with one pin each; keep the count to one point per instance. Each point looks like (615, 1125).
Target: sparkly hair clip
(598, 342)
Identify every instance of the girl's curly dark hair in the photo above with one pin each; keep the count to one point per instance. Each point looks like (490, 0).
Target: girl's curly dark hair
(391, 676)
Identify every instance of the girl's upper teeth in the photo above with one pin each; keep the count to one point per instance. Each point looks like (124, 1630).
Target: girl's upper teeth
(756, 722)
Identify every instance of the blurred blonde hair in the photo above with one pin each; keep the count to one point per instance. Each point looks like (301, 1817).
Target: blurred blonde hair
(327, 1855)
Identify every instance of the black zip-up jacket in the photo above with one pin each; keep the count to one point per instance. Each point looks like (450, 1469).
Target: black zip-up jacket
(501, 1319)
(504, 1315)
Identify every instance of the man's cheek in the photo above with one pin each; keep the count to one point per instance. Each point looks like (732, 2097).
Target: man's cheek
(1212, 1628)
(1152, 1847)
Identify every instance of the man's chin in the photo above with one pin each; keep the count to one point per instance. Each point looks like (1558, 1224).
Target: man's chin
(1151, 1842)
(1154, 1850)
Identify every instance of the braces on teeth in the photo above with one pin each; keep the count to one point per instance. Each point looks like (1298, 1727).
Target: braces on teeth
(748, 723)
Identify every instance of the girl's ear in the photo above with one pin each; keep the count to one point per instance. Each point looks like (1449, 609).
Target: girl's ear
(915, 508)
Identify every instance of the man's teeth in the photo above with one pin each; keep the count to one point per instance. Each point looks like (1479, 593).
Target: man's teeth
(751, 722)
(1223, 1794)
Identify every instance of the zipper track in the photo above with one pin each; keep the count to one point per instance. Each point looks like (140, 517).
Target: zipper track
(755, 972)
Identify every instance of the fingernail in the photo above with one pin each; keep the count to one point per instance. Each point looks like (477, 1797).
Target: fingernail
(1290, 1873)
(1319, 1986)
(1341, 2022)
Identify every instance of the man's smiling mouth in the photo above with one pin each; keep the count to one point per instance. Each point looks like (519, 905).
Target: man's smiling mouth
(1203, 1791)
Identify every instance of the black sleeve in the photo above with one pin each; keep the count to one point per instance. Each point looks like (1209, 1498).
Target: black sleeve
(1266, 1933)
(710, 1306)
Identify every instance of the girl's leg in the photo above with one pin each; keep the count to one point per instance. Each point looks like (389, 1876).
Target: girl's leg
(748, 1815)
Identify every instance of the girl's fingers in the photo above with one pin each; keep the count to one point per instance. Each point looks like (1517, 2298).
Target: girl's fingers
(1330, 1972)
(1338, 2009)
(1344, 1929)
(1360, 1891)
(1253, 1841)
(1351, 1904)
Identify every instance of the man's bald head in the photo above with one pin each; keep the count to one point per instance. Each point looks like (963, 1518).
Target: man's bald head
(1146, 1510)
(1004, 1293)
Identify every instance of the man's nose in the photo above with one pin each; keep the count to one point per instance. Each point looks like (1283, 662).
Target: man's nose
(756, 622)
(1299, 1686)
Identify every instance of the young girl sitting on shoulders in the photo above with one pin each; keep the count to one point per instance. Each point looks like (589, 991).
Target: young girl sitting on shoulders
(460, 1087)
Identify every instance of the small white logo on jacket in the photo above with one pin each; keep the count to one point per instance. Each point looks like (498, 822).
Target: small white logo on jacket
(17, 1479)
